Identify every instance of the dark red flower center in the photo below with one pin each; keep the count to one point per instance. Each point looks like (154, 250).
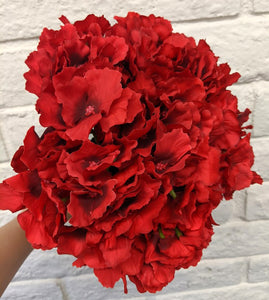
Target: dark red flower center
(93, 194)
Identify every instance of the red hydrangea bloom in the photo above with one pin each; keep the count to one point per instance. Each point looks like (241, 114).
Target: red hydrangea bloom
(142, 142)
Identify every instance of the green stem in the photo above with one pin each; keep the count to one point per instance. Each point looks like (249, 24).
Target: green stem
(65, 199)
(173, 194)
(178, 232)
(162, 236)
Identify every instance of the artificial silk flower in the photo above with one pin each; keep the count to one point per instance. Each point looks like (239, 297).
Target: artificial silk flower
(142, 140)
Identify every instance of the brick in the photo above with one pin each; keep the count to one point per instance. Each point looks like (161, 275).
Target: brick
(236, 42)
(196, 9)
(258, 270)
(3, 153)
(239, 205)
(261, 162)
(257, 202)
(12, 82)
(33, 16)
(246, 6)
(33, 290)
(152, 297)
(260, 6)
(6, 216)
(246, 96)
(261, 112)
(223, 212)
(240, 292)
(13, 98)
(15, 123)
(48, 264)
(232, 210)
(207, 274)
(239, 238)
(88, 287)
(6, 171)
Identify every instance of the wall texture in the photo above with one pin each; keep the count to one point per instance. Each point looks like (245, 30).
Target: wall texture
(236, 263)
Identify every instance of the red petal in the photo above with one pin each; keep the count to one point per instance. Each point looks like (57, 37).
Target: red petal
(64, 19)
(104, 86)
(50, 111)
(10, 199)
(108, 277)
(35, 231)
(83, 129)
(16, 162)
(117, 254)
(72, 242)
(30, 153)
(84, 209)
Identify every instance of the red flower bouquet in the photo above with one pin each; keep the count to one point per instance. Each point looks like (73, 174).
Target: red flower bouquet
(142, 142)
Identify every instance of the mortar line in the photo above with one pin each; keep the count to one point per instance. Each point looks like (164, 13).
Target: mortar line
(61, 286)
(207, 19)
(5, 147)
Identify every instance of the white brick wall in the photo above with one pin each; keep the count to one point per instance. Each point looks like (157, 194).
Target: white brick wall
(235, 266)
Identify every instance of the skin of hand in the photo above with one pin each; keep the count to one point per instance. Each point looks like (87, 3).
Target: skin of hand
(14, 249)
